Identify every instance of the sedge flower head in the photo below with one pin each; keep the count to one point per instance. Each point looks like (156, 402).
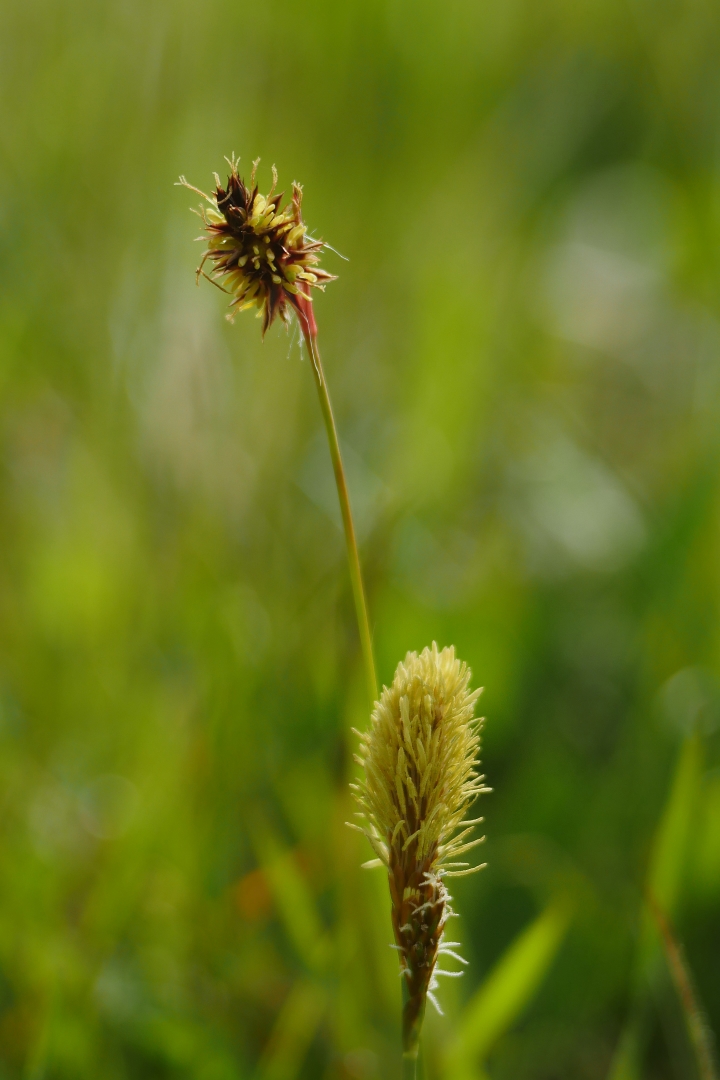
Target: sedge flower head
(260, 253)
(420, 763)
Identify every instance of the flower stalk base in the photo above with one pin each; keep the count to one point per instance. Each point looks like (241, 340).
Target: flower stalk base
(410, 1066)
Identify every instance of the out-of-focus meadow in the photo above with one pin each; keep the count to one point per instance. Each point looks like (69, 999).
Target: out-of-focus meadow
(523, 352)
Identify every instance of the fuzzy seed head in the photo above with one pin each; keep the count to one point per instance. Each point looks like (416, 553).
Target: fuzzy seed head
(420, 758)
(260, 253)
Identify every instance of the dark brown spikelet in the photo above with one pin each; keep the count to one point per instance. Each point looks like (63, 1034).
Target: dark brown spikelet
(260, 254)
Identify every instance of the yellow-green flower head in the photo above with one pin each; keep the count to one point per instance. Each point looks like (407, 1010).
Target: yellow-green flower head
(420, 762)
(260, 254)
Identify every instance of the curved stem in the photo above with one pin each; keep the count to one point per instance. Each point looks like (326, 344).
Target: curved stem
(350, 538)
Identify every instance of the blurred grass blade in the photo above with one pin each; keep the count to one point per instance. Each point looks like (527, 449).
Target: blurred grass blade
(508, 989)
(625, 1064)
(294, 901)
(669, 857)
(671, 844)
(465, 1070)
(295, 1029)
(700, 1035)
(664, 878)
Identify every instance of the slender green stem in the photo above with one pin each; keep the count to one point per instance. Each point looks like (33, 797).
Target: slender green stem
(413, 1012)
(409, 1067)
(350, 538)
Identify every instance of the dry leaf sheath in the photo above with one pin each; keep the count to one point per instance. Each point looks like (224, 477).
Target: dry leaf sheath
(420, 758)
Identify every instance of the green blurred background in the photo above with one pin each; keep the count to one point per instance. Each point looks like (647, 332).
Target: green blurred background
(523, 353)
